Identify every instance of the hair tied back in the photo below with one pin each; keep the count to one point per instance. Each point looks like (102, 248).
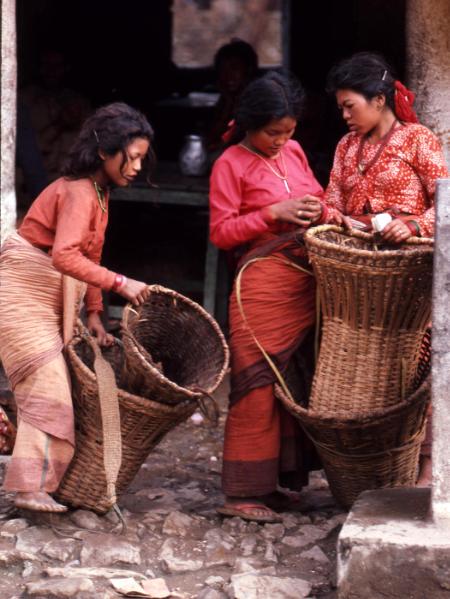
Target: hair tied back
(404, 100)
(230, 131)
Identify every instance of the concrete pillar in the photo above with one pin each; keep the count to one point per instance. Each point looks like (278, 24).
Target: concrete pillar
(428, 53)
(441, 357)
(8, 117)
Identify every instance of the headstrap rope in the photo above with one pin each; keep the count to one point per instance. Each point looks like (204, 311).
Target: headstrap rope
(269, 360)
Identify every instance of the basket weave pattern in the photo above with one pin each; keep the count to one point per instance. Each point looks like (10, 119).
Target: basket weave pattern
(371, 451)
(143, 424)
(174, 349)
(376, 304)
(180, 358)
(371, 388)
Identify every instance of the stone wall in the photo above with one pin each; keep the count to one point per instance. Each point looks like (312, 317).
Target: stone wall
(8, 117)
(428, 50)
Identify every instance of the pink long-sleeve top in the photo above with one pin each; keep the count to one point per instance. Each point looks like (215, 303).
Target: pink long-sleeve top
(66, 221)
(242, 187)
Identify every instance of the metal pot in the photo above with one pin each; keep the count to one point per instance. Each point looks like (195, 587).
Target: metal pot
(193, 158)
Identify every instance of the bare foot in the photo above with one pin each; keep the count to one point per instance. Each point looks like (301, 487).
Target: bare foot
(248, 508)
(425, 472)
(39, 501)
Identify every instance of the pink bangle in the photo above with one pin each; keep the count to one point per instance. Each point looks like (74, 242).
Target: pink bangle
(119, 282)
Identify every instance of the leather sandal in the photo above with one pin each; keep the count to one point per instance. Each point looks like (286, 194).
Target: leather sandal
(248, 511)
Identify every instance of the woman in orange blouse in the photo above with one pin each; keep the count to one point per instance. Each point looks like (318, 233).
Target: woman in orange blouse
(44, 268)
(387, 163)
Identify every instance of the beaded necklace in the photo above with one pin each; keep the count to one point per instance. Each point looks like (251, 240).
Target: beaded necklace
(280, 175)
(363, 168)
(100, 196)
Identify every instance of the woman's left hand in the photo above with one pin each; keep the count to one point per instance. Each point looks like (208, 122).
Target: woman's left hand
(396, 231)
(97, 329)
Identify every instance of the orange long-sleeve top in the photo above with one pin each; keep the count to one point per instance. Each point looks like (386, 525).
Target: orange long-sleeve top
(67, 222)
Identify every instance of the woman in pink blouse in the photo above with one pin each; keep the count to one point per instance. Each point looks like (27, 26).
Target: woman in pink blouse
(262, 190)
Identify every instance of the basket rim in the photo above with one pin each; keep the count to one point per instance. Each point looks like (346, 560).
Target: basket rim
(122, 394)
(354, 420)
(155, 372)
(423, 244)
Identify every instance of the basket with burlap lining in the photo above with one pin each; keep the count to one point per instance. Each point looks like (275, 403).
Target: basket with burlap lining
(116, 429)
(371, 451)
(138, 426)
(173, 348)
(376, 304)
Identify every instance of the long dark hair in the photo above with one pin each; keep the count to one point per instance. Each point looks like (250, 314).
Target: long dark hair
(366, 73)
(271, 97)
(110, 129)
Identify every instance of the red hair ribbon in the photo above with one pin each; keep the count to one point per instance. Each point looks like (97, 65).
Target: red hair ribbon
(229, 132)
(404, 100)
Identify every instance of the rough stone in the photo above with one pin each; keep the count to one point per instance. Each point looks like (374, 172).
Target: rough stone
(88, 520)
(107, 550)
(177, 524)
(217, 537)
(236, 524)
(28, 569)
(8, 557)
(8, 97)
(60, 588)
(334, 522)
(191, 496)
(252, 564)
(291, 521)
(248, 544)
(306, 535)
(273, 532)
(219, 548)
(12, 527)
(60, 549)
(216, 582)
(212, 594)
(172, 557)
(270, 553)
(69, 572)
(388, 542)
(316, 554)
(254, 586)
(427, 65)
(32, 539)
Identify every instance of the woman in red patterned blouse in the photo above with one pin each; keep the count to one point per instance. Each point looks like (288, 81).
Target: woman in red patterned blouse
(388, 162)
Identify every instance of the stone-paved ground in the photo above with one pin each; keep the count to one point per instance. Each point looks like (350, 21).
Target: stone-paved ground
(174, 533)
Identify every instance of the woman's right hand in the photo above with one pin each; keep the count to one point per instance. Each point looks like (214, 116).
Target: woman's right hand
(135, 292)
(299, 211)
(341, 219)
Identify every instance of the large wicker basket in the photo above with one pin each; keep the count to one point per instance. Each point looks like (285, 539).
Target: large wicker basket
(143, 424)
(174, 348)
(376, 304)
(372, 451)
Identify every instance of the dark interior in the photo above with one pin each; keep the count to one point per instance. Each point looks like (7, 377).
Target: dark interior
(122, 51)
